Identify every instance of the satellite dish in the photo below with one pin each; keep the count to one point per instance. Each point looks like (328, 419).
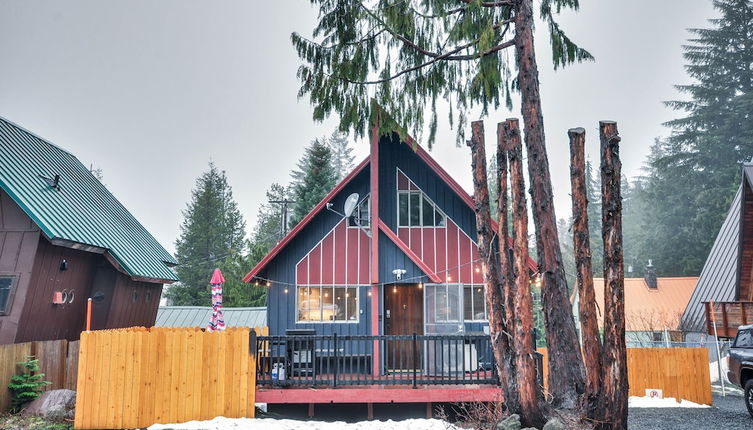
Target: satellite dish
(350, 204)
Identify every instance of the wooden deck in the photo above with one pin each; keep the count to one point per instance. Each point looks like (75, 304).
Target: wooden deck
(381, 394)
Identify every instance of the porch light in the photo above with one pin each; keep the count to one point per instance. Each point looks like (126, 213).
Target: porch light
(286, 290)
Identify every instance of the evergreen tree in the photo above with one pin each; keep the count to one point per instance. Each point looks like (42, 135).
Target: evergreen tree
(342, 154)
(593, 192)
(268, 229)
(694, 174)
(317, 178)
(211, 235)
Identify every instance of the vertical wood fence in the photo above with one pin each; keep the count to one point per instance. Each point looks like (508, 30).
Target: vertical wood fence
(682, 373)
(136, 377)
(57, 360)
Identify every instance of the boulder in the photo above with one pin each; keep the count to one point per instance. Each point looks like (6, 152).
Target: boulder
(510, 423)
(554, 424)
(54, 405)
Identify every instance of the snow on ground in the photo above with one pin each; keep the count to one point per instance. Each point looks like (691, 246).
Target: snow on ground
(667, 402)
(222, 423)
(714, 370)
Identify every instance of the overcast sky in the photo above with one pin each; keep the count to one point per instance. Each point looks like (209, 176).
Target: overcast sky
(150, 91)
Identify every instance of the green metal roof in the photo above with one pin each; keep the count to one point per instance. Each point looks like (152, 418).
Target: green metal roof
(82, 213)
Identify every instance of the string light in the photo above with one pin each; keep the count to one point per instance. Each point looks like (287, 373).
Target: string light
(269, 284)
(286, 290)
(394, 289)
(420, 285)
(478, 269)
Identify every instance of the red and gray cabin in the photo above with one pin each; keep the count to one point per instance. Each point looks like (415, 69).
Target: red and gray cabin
(396, 284)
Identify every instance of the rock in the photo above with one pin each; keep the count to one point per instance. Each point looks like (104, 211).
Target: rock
(554, 424)
(510, 423)
(54, 405)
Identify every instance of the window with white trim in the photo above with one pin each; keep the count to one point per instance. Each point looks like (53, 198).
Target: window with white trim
(361, 216)
(6, 288)
(474, 303)
(327, 303)
(414, 209)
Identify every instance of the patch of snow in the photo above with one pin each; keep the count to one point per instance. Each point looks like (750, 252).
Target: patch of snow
(667, 402)
(714, 370)
(222, 423)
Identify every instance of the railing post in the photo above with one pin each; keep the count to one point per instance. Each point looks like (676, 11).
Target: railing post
(415, 360)
(334, 344)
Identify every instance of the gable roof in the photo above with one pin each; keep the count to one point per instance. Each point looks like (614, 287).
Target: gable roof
(82, 214)
(649, 309)
(718, 279)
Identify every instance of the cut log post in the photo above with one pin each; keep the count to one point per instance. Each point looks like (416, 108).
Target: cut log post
(503, 228)
(566, 374)
(500, 336)
(589, 326)
(525, 367)
(615, 379)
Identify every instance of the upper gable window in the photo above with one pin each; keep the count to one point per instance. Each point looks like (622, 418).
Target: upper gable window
(414, 209)
(361, 216)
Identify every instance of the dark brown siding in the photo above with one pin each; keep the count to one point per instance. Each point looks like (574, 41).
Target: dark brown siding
(746, 258)
(133, 303)
(41, 320)
(19, 237)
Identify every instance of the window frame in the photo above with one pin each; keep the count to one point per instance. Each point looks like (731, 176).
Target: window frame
(14, 277)
(422, 197)
(473, 303)
(737, 337)
(356, 215)
(357, 289)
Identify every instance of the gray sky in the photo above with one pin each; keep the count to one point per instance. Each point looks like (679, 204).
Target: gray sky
(150, 91)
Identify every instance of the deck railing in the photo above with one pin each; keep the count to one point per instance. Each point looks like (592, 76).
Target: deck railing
(336, 360)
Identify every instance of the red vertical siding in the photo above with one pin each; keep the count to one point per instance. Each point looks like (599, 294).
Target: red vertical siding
(315, 265)
(441, 239)
(364, 266)
(328, 261)
(302, 271)
(477, 276)
(452, 252)
(466, 270)
(340, 243)
(351, 267)
(428, 243)
(415, 241)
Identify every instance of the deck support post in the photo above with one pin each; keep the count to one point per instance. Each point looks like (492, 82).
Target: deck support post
(370, 411)
(311, 410)
(429, 410)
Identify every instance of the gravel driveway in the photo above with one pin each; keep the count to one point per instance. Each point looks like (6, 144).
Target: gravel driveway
(728, 413)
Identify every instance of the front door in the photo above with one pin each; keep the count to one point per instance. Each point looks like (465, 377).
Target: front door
(403, 316)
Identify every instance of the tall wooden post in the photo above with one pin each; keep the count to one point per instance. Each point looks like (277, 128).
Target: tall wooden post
(589, 325)
(375, 296)
(525, 367)
(566, 374)
(500, 336)
(615, 379)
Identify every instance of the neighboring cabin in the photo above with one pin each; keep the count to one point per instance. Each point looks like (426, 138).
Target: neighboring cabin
(727, 276)
(406, 261)
(64, 238)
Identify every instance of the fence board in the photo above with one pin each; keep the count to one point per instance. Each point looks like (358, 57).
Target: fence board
(137, 377)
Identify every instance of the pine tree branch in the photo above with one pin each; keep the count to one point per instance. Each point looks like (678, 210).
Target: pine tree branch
(491, 3)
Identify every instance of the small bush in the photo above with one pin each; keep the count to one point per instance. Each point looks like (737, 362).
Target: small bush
(28, 385)
(475, 415)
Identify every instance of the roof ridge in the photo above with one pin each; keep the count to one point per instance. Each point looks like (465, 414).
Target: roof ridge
(26, 130)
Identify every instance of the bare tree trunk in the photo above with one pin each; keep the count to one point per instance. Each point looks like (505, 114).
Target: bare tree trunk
(589, 326)
(566, 374)
(505, 265)
(615, 380)
(523, 348)
(490, 267)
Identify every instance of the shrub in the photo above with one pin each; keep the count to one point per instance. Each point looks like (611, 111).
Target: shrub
(28, 385)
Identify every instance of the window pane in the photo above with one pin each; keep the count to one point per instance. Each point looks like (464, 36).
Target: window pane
(440, 219)
(5, 284)
(744, 339)
(442, 310)
(340, 303)
(415, 209)
(309, 304)
(453, 294)
(351, 298)
(402, 209)
(479, 306)
(428, 216)
(328, 304)
(468, 303)
(363, 213)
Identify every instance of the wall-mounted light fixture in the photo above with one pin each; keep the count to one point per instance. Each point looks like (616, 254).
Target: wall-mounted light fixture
(63, 265)
(399, 273)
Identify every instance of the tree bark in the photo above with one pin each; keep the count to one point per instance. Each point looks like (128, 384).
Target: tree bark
(523, 347)
(566, 374)
(589, 326)
(500, 334)
(503, 235)
(615, 380)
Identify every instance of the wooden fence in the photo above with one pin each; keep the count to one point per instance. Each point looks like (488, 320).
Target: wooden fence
(57, 360)
(136, 377)
(682, 373)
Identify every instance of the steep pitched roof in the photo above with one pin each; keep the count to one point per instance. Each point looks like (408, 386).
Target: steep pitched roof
(718, 280)
(82, 213)
(649, 309)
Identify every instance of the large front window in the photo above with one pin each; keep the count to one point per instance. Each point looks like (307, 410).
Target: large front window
(327, 303)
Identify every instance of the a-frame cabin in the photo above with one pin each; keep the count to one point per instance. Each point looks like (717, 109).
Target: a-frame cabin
(404, 263)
